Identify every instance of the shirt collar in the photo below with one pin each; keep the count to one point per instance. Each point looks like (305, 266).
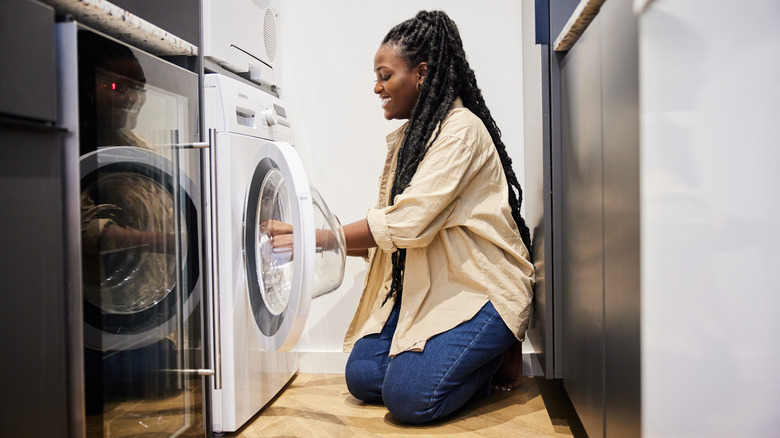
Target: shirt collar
(393, 137)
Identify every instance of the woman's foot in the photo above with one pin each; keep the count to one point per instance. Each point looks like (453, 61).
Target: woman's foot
(510, 373)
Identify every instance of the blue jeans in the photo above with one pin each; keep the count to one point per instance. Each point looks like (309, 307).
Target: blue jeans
(422, 386)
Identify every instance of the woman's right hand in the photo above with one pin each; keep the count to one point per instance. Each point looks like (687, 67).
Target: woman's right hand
(510, 374)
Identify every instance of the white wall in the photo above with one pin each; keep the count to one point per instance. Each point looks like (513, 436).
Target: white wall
(326, 54)
(710, 133)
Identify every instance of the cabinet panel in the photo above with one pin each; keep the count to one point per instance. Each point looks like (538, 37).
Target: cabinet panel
(620, 107)
(582, 219)
(34, 398)
(27, 62)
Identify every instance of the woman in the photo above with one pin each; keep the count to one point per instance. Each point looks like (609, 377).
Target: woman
(449, 282)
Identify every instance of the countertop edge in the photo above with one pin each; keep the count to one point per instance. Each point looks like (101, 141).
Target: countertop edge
(124, 26)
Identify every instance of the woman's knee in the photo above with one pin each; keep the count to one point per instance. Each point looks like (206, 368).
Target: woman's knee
(364, 380)
(408, 403)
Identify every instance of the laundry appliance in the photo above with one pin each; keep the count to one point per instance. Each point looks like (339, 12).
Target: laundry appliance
(141, 251)
(241, 36)
(261, 293)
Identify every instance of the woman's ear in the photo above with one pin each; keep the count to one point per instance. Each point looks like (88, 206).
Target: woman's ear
(422, 70)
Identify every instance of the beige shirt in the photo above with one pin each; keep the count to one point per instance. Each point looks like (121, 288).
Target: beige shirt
(462, 244)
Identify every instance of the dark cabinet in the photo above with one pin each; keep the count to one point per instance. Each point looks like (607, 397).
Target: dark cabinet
(36, 366)
(32, 303)
(582, 233)
(593, 138)
(27, 60)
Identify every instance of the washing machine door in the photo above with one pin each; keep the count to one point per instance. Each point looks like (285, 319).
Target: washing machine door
(139, 247)
(293, 246)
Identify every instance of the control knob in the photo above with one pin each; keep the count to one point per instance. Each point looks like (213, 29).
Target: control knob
(270, 117)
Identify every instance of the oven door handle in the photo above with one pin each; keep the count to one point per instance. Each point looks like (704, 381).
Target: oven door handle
(24, 125)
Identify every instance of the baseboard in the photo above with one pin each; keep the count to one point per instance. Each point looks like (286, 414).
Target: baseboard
(322, 362)
(531, 365)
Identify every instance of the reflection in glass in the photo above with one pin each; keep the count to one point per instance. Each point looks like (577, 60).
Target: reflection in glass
(130, 275)
(120, 99)
(139, 243)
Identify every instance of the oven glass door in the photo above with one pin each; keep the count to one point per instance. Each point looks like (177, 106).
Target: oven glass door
(141, 255)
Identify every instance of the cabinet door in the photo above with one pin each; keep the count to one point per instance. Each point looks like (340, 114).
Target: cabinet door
(600, 223)
(27, 61)
(582, 229)
(34, 398)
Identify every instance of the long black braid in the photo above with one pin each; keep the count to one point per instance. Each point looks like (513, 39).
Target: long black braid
(432, 37)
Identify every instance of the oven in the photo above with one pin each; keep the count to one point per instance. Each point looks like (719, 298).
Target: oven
(141, 252)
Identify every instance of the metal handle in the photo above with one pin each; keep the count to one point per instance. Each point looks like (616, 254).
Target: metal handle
(215, 304)
(199, 371)
(195, 145)
(8, 122)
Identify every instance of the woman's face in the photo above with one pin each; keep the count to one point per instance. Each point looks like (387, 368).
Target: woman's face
(396, 83)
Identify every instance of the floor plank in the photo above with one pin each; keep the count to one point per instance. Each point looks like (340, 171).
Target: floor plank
(319, 405)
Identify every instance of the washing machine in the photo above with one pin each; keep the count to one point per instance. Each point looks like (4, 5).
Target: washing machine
(241, 36)
(261, 292)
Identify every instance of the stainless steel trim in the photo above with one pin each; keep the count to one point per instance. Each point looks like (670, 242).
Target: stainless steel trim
(68, 101)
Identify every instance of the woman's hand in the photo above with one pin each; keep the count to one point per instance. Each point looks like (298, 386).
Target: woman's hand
(273, 227)
(117, 237)
(280, 233)
(510, 374)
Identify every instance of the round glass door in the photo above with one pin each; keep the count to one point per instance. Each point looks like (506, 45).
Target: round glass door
(273, 274)
(273, 267)
(331, 249)
(293, 246)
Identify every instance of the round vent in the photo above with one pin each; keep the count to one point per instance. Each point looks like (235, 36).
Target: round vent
(269, 34)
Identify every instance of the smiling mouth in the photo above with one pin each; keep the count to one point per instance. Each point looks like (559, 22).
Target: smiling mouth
(385, 101)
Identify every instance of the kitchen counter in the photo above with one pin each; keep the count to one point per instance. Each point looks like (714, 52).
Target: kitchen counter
(124, 26)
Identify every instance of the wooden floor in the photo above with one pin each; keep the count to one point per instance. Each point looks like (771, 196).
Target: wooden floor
(319, 405)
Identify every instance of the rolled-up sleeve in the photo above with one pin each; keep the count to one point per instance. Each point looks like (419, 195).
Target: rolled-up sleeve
(377, 223)
(424, 207)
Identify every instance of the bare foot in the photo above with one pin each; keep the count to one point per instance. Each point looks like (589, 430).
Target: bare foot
(510, 374)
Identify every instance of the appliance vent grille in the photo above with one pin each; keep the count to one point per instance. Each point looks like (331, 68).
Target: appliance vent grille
(269, 34)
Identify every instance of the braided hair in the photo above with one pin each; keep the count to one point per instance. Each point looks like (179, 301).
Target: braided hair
(432, 37)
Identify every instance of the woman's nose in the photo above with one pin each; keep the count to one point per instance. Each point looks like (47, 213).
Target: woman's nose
(377, 88)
